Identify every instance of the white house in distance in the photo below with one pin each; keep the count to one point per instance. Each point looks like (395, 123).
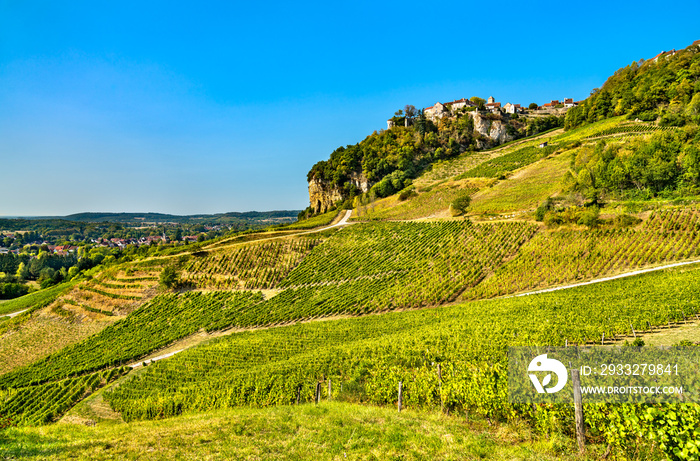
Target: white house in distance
(439, 110)
(512, 108)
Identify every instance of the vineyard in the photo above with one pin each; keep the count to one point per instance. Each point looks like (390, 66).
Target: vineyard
(43, 404)
(564, 256)
(252, 266)
(35, 300)
(442, 249)
(371, 354)
(317, 221)
(160, 322)
(501, 166)
(629, 129)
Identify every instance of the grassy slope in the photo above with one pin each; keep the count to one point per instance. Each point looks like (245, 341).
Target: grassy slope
(33, 299)
(524, 190)
(334, 431)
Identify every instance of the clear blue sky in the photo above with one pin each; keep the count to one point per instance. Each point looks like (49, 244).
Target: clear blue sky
(206, 107)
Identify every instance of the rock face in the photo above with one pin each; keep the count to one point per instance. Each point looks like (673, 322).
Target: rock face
(323, 195)
(494, 129)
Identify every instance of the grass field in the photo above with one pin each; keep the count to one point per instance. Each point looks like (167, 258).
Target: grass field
(431, 202)
(524, 190)
(47, 331)
(329, 431)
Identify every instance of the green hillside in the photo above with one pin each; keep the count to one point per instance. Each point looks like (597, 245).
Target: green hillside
(419, 287)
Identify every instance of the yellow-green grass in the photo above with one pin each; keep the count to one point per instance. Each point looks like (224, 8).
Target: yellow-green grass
(429, 203)
(48, 330)
(329, 431)
(321, 220)
(526, 189)
(446, 169)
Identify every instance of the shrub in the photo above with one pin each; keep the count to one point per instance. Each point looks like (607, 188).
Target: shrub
(543, 209)
(407, 194)
(625, 220)
(460, 204)
(169, 278)
(589, 218)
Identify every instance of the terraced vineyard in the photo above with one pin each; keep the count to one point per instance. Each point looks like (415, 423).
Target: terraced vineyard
(43, 404)
(564, 256)
(253, 266)
(161, 321)
(370, 355)
(108, 294)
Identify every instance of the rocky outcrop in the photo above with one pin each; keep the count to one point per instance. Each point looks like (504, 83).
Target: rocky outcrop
(324, 195)
(494, 128)
(490, 126)
(360, 181)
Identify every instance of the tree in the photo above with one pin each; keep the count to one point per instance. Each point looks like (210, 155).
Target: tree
(22, 272)
(533, 106)
(480, 103)
(169, 278)
(410, 111)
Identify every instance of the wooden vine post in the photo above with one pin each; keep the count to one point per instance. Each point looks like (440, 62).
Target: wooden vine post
(578, 410)
(400, 396)
(318, 392)
(439, 372)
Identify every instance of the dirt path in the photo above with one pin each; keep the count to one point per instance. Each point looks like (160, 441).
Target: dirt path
(155, 359)
(14, 314)
(605, 279)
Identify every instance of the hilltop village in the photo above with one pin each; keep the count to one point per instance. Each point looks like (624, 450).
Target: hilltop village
(475, 104)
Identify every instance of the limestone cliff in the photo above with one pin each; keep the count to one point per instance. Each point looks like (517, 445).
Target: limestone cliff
(493, 128)
(323, 195)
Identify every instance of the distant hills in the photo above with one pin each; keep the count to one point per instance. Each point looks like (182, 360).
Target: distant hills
(218, 218)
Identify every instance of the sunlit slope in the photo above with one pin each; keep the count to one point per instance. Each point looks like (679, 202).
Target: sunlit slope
(514, 178)
(362, 269)
(367, 356)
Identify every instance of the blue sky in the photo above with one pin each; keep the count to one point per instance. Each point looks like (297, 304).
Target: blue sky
(209, 107)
